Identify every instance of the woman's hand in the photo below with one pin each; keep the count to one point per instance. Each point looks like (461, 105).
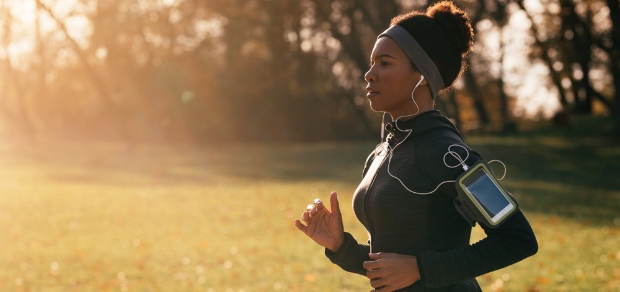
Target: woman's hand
(390, 271)
(323, 226)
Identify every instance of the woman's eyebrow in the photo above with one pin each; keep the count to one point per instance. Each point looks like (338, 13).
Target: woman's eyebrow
(382, 55)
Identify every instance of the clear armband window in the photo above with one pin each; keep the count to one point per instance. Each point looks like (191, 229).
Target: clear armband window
(481, 198)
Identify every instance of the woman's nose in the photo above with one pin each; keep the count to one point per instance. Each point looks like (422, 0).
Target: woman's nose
(370, 76)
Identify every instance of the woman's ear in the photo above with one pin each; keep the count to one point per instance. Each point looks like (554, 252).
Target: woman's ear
(423, 80)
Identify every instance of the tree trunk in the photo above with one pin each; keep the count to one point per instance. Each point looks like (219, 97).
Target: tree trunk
(582, 48)
(457, 118)
(474, 91)
(353, 46)
(119, 115)
(508, 126)
(447, 105)
(22, 118)
(554, 75)
(614, 14)
(94, 77)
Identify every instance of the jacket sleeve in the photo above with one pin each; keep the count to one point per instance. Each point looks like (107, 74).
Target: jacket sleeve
(350, 256)
(513, 241)
(507, 244)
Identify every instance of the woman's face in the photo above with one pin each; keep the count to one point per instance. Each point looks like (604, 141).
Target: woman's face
(391, 79)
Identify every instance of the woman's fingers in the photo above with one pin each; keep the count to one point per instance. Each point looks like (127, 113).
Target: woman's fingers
(371, 265)
(319, 204)
(305, 216)
(374, 274)
(311, 210)
(323, 226)
(300, 226)
(377, 283)
(333, 200)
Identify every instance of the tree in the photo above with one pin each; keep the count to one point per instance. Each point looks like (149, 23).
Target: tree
(614, 65)
(569, 52)
(17, 112)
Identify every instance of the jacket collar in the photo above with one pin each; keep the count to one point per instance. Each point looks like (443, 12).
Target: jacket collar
(418, 125)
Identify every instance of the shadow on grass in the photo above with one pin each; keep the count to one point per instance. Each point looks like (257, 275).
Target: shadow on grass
(115, 164)
(574, 176)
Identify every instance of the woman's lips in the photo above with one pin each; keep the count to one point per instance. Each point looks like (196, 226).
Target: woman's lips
(371, 92)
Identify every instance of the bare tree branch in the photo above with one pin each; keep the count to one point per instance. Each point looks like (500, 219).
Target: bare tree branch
(22, 117)
(94, 77)
(555, 78)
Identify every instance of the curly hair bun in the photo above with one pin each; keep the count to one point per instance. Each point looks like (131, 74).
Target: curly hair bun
(455, 24)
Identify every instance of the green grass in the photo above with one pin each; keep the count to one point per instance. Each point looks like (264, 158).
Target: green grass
(106, 217)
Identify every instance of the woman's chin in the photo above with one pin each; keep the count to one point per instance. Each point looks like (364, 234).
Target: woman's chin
(376, 106)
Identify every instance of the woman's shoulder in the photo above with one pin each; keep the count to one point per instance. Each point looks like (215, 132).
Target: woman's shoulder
(439, 153)
(439, 142)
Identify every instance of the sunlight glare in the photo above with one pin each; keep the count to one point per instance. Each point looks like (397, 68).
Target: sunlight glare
(23, 31)
(170, 2)
(535, 97)
(527, 81)
(534, 6)
(79, 28)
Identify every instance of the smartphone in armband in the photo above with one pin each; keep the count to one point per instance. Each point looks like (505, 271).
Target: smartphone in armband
(481, 198)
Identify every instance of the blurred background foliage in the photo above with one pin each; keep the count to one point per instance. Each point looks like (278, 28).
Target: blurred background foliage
(187, 71)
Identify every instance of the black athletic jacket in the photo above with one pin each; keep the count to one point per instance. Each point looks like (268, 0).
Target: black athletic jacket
(428, 226)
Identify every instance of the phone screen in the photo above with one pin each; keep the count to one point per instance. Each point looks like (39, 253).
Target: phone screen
(490, 197)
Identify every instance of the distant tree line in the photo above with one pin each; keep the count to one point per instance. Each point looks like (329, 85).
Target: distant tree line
(255, 70)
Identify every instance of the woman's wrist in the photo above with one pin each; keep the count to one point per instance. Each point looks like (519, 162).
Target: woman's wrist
(337, 245)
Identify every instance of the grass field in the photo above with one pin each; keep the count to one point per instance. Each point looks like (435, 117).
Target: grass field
(111, 218)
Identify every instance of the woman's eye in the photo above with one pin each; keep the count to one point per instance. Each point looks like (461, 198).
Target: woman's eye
(381, 63)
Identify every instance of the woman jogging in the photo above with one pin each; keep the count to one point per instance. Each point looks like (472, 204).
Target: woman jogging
(418, 240)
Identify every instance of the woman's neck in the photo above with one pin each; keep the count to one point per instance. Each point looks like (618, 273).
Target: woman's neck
(405, 117)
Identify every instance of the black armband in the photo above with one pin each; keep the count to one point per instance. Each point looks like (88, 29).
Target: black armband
(481, 198)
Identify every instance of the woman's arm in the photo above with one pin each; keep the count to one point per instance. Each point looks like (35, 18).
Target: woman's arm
(350, 256)
(507, 244)
(513, 241)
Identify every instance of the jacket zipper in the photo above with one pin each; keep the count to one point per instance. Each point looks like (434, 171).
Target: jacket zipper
(367, 197)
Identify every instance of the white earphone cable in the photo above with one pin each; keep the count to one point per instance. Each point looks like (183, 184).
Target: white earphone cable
(450, 151)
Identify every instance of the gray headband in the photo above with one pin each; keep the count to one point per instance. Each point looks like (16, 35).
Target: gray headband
(418, 57)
